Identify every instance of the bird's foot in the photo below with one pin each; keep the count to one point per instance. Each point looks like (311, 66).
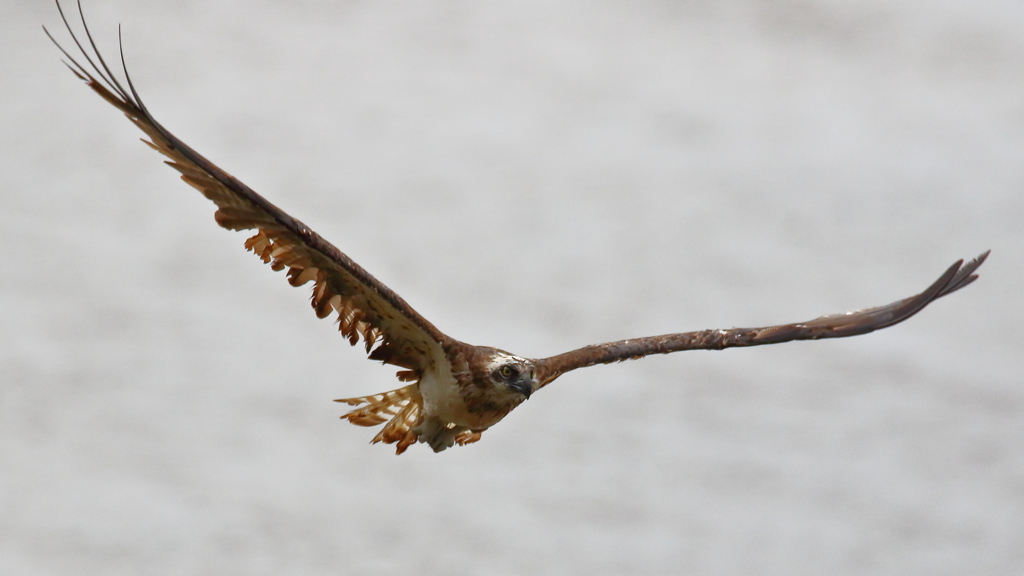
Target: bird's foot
(437, 434)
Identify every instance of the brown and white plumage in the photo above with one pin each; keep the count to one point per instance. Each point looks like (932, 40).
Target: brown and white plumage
(454, 390)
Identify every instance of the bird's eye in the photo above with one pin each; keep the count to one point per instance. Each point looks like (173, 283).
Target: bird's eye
(506, 371)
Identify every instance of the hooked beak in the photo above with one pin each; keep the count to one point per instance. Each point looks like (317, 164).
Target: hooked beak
(524, 386)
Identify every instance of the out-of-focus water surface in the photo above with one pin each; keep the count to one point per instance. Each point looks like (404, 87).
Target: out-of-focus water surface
(534, 176)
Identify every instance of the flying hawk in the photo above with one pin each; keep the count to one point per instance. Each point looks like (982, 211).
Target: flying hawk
(455, 390)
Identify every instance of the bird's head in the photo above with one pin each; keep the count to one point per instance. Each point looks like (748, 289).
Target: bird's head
(511, 372)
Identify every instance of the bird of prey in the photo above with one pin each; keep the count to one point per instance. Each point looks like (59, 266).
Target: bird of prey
(454, 391)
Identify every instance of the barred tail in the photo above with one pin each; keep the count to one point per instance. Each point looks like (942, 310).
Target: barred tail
(403, 407)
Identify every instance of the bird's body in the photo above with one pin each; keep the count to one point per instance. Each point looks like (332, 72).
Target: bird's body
(463, 391)
(455, 390)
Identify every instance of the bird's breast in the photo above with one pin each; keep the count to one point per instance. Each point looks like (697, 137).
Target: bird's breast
(462, 403)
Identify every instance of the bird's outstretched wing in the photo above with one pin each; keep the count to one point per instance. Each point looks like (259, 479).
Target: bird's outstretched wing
(833, 326)
(367, 309)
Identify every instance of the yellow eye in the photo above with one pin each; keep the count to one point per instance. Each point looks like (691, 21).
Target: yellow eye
(506, 371)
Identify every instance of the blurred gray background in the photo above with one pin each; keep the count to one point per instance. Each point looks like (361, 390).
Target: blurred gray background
(535, 176)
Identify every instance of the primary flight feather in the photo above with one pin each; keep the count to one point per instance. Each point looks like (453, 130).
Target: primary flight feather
(455, 390)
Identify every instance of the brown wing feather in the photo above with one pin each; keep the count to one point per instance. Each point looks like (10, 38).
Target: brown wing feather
(833, 326)
(366, 308)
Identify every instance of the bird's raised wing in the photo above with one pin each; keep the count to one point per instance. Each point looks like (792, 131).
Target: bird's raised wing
(833, 326)
(392, 331)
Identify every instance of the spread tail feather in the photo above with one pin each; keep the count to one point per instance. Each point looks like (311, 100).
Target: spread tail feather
(403, 407)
